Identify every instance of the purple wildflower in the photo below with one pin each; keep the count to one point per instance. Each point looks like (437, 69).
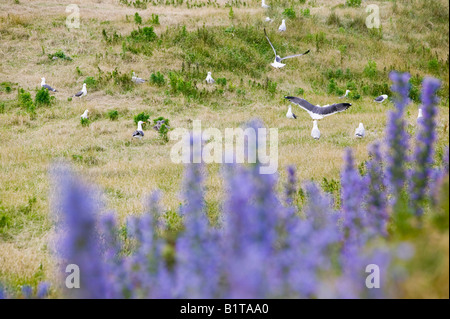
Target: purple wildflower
(424, 151)
(27, 291)
(397, 137)
(43, 290)
(291, 185)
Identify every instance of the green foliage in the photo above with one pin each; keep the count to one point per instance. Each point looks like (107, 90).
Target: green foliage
(2, 107)
(371, 69)
(157, 79)
(155, 19)
(353, 3)
(85, 122)
(300, 91)
(113, 115)
(25, 101)
(334, 19)
(91, 82)
(163, 129)
(221, 81)
(320, 40)
(113, 39)
(6, 87)
(289, 13)
(354, 95)
(42, 97)
(138, 41)
(59, 54)
(179, 85)
(137, 18)
(305, 12)
(331, 89)
(78, 71)
(231, 13)
(141, 117)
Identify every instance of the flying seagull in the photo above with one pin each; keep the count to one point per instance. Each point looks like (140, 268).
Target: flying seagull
(139, 133)
(82, 93)
(282, 26)
(318, 112)
(85, 115)
(137, 80)
(360, 131)
(315, 133)
(209, 79)
(345, 95)
(277, 62)
(48, 87)
(381, 98)
(290, 114)
(264, 5)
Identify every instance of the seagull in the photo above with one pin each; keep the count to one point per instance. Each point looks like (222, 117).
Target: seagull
(268, 19)
(318, 112)
(282, 26)
(360, 131)
(48, 87)
(264, 5)
(315, 133)
(139, 133)
(290, 115)
(277, 62)
(345, 95)
(85, 115)
(420, 114)
(137, 80)
(209, 79)
(381, 98)
(82, 93)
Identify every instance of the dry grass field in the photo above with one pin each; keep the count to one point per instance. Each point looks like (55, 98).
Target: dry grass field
(191, 40)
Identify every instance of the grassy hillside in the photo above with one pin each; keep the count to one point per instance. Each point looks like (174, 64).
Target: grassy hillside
(183, 41)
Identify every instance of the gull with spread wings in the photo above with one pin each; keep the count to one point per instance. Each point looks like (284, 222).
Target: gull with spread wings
(277, 63)
(318, 112)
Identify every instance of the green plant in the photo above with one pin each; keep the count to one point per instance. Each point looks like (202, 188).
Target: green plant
(331, 89)
(25, 100)
(157, 79)
(42, 97)
(353, 3)
(289, 13)
(320, 40)
(305, 12)
(141, 117)
(155, 19)
(231, 13)
(162, 125)
(60, 55)
(221, 81)
(371, 69)
(137, 18)
(84, 122)
(113, 115)
(79, 71)
(91, 82)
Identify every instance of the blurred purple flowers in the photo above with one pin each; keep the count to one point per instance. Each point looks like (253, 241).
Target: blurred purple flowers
(265, 246)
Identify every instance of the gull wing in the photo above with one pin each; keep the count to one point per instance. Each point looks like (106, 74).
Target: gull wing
(274, 51)
(293, 56)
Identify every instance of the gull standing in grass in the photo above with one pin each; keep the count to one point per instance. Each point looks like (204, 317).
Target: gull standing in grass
(318, 112)
(48, 87)
(268, 19)
(85, 115)
(360, 131)
(82, 93)
(264, 5)
(139, 133)
(209, 79)
(277, 62)
(137, 80)
(290, 114)
(345, 95)
(381, 98)
(282, 26)
(315, 133)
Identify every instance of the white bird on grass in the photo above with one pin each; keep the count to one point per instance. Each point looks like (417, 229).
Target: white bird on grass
(345, 95)
(290, 114)
(85, 115)
(209, 79)
(137, 80)
(268, 19)
(139, 133)
(282, 26)
(48, 87)
(82, 93)
(277, 62)
(264, 5)
(315, 133)
(381, 98)
(360, 131)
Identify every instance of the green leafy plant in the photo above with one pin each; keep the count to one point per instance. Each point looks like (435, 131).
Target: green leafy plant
(141, 117)
(85, 122)
(137, 18)
(113, 115)
(155, 19)
(353, 3)
(60, 55)
(221, 81)
(25, 101)
(163, 128)
(157, 79)
(42, 97)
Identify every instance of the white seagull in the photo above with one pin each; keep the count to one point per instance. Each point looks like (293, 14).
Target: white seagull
(345, 95)
(209, 79)
(82, 93)
(277, 62)
(137, 80)
(381, 98)
(139, 133)
(48, 87)
(264, 5)
(360, 131)
(315, 133)
(290, 114)
(268, 19)
(282, 26)
(85, 115)
(420, 115)
(318, 112)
